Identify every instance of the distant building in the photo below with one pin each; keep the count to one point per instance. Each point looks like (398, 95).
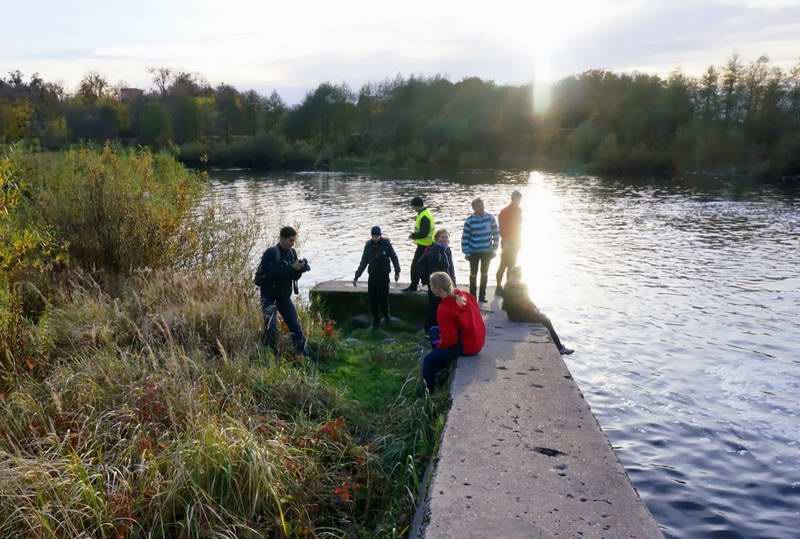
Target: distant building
(130, 94)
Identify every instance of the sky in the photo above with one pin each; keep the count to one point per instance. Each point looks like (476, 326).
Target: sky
(294, 46)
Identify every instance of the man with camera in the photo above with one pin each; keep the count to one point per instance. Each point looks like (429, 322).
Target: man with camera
(277, 276)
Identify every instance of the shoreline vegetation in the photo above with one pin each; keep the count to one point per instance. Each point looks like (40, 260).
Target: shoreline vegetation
(135, 397)
(741, 118)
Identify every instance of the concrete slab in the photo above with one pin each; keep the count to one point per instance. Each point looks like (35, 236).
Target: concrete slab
(522, 455)
(341, 300)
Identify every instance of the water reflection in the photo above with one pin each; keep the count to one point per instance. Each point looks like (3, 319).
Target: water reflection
(681, 296)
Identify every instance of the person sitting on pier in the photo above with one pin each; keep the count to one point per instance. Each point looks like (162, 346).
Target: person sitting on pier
(520, 308)
(437, 257)
(378, 253)
(461, 331)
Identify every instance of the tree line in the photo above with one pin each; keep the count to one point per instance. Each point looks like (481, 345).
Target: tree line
(742, 117)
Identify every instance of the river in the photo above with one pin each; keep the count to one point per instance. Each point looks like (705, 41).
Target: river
(681, 297)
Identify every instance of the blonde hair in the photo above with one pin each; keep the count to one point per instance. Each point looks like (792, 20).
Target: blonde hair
(439, 233)
(442, 281)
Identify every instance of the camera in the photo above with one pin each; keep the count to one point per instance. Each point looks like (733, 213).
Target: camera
(305, 267)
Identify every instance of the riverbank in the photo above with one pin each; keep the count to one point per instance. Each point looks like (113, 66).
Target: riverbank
(138, 400)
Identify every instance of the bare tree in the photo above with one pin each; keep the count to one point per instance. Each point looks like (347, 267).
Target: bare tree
(93, 86)
(161, 78)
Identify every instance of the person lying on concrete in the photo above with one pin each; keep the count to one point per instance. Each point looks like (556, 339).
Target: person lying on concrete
(277, 276)
(378, 254)
(437, 257)
(509, 220)
(424, 228)
(479, 243)
(460, 330)
(520, 308)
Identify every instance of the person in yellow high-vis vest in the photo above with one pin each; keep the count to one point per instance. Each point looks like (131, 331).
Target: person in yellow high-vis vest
(424, 229)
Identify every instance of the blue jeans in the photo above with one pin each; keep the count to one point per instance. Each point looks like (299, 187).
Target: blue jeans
(438, 359)
(270, 307)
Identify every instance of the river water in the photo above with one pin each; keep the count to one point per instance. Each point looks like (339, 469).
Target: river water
(681, 297)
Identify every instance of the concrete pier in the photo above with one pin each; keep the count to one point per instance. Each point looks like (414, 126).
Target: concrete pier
(522, 455)
(341, 300)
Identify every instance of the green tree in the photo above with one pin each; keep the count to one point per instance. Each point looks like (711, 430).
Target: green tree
(274, 112)
(708, 101)
(186, 119)
(155, 125)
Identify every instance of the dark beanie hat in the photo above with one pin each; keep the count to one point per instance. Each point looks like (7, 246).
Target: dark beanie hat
(376, 231)
(417, 201)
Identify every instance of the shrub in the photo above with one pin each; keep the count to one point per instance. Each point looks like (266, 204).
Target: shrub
(116, 210)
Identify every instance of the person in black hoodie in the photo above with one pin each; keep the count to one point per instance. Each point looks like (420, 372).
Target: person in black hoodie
(437, 257)
(277, 276)
(520, 308)
(378, 253)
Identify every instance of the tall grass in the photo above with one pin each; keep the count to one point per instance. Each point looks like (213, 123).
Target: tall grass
(137, 400)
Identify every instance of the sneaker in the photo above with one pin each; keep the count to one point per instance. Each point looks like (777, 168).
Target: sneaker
(498, 291)
(564, 351)
(409, 289)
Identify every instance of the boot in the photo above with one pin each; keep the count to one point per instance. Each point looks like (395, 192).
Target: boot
(484, 280)
(472, 284)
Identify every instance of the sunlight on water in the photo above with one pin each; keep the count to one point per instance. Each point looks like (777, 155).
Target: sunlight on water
(543, 256)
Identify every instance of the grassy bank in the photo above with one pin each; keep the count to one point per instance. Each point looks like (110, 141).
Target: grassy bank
(135, 398)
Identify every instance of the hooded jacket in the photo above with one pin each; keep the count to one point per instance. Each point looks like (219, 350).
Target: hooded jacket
(518, 304)
(461, 323)
(437, 257)
(376, 258)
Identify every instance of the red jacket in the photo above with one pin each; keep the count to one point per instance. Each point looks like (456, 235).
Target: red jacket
(461, 323)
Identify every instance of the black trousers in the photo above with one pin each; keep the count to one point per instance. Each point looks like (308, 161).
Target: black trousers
(415, 276)
(508, 259)
(378, 292)
(438, 359)
(535, 316)
(482, 260)
(270, 307)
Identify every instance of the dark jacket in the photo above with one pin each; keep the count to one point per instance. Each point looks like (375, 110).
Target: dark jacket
(518, 305)
(436, 258)
(376, 257)
(275, 273)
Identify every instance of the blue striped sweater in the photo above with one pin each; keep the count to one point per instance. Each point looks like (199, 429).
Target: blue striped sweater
(480, 234)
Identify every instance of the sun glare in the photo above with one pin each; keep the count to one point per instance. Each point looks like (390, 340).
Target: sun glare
(541, 254)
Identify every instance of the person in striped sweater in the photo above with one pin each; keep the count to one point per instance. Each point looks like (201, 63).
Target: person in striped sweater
(479, 243)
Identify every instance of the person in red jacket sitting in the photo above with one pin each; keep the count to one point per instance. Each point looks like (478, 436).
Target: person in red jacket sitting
(461, 331)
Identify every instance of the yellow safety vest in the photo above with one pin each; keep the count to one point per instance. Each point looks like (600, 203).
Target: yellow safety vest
(427, 240)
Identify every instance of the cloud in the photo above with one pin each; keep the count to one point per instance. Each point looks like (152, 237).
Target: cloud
(297, 45)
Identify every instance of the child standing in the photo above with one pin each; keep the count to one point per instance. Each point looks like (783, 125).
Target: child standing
(378, 253)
